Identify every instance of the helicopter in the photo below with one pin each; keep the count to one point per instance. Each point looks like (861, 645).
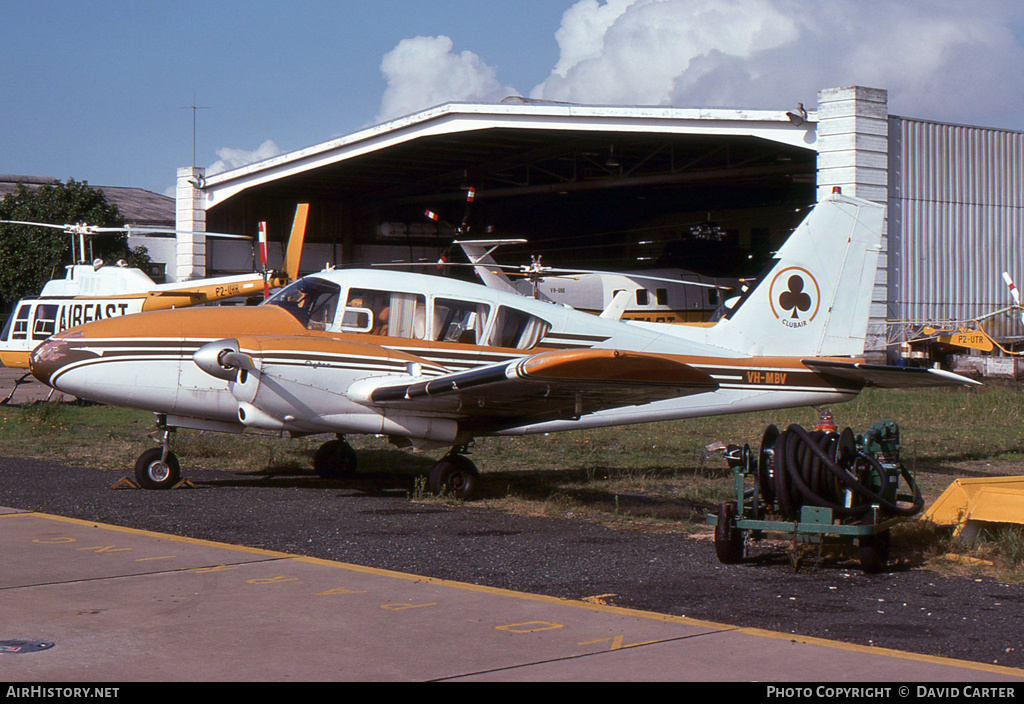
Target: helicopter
(96, 290)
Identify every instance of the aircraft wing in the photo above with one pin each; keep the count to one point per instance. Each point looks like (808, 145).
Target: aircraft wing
(551, 385)
(887, 376)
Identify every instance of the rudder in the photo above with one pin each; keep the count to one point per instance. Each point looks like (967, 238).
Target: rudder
(816, 298)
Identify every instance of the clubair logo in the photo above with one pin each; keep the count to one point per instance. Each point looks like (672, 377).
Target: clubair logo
(794, 297)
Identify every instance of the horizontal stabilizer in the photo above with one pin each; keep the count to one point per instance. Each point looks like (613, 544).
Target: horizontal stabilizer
(886, 376)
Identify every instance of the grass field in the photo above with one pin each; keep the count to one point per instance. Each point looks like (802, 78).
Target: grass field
(647, 477)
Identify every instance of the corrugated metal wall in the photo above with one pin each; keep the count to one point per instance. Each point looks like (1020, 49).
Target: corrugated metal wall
(956, 195)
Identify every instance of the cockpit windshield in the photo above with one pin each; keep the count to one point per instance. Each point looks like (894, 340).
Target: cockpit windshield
(312, 301)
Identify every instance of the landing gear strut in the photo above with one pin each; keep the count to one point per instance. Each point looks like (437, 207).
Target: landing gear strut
(454, 475)
(157, 467)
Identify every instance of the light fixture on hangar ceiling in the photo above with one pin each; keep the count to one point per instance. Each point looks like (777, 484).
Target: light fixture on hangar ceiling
(798, 116)
(612, 162)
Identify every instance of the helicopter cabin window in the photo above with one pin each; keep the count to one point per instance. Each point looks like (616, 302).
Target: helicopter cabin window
(388, 313)
(312, 301)
(45, 321)
(19, 329)
(460, 321)
(516, 329)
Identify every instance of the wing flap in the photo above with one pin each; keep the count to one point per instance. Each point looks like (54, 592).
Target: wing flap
(887, 376)
(556, 384)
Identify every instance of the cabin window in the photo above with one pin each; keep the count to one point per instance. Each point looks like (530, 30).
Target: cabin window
(19, 331)
(388, 313)
(514, 328)
(459, 321)
(312, 301)
(45, 321)
(641, 296)
(661, 295)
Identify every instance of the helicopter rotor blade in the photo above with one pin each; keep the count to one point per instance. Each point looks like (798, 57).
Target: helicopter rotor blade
(84, 229)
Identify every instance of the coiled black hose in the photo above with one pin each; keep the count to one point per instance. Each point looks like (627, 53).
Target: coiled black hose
(818, 468)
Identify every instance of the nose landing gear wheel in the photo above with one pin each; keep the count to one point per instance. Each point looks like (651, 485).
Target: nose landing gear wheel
(454, 476)
(152, 471)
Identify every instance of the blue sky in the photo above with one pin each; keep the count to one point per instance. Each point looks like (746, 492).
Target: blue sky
(99, 90)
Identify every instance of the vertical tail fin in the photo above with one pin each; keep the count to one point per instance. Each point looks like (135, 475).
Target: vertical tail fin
(816, 297)
(479, 254)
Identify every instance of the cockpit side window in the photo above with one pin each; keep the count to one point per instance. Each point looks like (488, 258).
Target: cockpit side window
(514, 328)
(390, 313)
(460, 321)
(312, 301)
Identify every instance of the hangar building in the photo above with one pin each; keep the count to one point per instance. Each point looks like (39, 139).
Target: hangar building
(713, 191)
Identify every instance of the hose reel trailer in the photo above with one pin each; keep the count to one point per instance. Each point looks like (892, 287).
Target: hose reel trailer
(819, 486)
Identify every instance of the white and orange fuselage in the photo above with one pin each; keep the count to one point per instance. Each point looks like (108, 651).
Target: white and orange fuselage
(306, 380)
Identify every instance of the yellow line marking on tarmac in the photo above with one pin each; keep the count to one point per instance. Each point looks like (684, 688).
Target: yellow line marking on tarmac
(605, 608)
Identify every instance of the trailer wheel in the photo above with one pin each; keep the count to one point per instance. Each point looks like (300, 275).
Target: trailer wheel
(874, 552)
(728, 538)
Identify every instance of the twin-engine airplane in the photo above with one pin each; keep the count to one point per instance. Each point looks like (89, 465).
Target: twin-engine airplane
(95, 291)
(432, 362)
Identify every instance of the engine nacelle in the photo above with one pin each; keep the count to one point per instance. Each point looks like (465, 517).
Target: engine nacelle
(252, 417)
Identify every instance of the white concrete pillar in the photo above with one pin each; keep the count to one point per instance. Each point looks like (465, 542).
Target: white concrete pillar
(853, 144)
(853, 154)
(190, 217)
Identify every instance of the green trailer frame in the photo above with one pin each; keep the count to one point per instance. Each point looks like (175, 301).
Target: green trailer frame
(748, 515)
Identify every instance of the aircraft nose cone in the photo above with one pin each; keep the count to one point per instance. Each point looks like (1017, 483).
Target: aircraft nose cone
(49, 358)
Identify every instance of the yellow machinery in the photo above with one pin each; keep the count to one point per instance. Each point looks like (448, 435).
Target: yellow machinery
(972, 504)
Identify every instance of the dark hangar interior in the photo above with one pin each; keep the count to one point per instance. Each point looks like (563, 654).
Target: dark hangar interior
(612, 200)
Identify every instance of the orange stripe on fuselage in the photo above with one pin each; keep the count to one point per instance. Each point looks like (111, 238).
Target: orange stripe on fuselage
(212, 323)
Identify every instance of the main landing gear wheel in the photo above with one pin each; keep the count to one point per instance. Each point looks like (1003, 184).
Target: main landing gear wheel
(455, 476)
(154, 471)
(334, 459)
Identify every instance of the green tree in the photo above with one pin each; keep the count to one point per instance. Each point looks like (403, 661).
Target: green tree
(31, 256)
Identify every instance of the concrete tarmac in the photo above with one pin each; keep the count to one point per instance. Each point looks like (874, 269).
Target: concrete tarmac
(87, 602)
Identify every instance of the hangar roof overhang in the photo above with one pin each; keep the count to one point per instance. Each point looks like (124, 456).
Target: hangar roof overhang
(522, 147)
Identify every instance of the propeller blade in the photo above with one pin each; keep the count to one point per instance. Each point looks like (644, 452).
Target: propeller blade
(263, 258)
(1014, 293)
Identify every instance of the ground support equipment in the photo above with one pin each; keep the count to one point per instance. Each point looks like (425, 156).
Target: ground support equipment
(819, 487)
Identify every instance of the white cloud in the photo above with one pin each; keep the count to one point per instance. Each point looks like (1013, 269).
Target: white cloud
(234, 158)
(424, 71)
(937, 58)
(581, 36)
